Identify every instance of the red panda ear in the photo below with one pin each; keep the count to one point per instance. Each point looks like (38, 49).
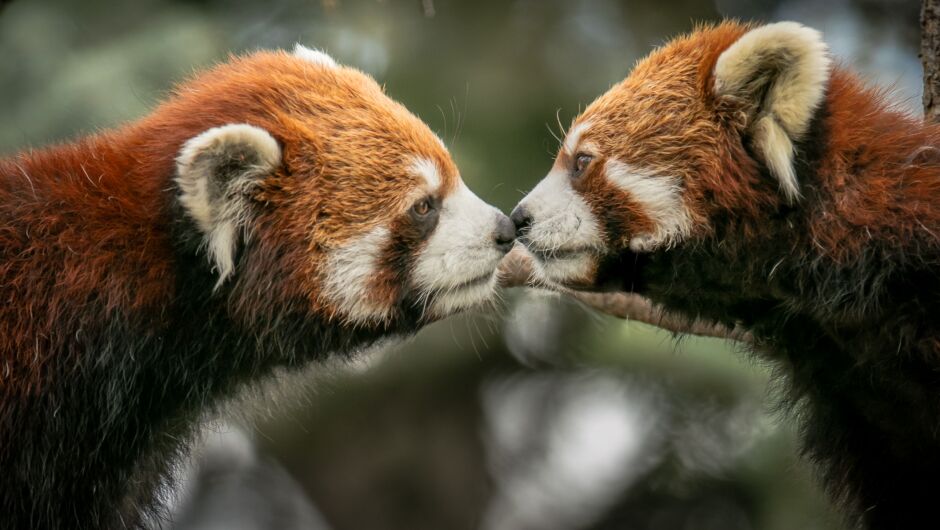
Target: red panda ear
(216, 172)
(314, 56)
(778, 73)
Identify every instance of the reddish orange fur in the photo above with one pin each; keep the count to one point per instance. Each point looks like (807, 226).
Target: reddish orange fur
(896, 201)
(664, 117)
(103, 198)
(658, 119)
(82, 227)
(113, 343)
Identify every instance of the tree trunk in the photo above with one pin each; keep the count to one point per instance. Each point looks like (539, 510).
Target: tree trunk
(930, 57)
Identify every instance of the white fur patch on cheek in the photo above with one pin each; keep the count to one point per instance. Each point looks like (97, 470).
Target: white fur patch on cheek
(456, 268)
(564, 231)
(561, 219)
(661, 200)
(314, 56)
(348, 280)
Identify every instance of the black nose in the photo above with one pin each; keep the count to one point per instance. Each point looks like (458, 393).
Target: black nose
(505, 233)
(521, 219)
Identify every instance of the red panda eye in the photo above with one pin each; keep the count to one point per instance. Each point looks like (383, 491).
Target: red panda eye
(422, 207)
(581, 162)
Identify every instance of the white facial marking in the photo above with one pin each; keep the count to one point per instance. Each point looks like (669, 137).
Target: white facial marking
(457, 264)
(427, 169)
(350, 271)
(573, 137)
(314, 56)
(221, 218)
(661, 199)
(563, 224)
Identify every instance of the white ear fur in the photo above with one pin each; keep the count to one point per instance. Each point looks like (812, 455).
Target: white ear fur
(781, 72)
(314, 56)
(215, 172)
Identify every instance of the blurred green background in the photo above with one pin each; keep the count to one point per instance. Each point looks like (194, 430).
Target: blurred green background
(541, 416)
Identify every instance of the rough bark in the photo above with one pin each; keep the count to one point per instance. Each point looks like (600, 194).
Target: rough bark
(930, 57)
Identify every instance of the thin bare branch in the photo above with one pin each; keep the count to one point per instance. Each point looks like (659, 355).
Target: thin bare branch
(516, 271)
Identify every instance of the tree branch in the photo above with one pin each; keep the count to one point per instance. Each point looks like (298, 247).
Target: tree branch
(929, 55)
(516, 271)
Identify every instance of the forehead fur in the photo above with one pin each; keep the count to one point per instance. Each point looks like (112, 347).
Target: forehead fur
(663, 108)
(663, 118)
(348, 149)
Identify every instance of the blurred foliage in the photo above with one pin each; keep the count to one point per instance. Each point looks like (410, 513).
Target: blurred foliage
(542, 416)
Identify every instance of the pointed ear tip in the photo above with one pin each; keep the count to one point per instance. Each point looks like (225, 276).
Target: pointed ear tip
(775, 47)
(314, 56)
(788, 28)
(805, 41)
(231, 134)
(806, 36)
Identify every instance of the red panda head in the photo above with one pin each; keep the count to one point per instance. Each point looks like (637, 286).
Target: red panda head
(702, 129)
(308, 186)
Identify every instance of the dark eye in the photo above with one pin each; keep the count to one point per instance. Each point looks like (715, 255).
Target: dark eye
(581, 162)
(423, 207)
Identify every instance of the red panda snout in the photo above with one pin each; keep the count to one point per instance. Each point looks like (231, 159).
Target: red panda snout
(454, 270)
(557, 226)
(445, 248)
(592, 206)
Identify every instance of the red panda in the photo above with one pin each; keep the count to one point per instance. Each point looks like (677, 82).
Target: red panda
(738, 176)
(278, 208)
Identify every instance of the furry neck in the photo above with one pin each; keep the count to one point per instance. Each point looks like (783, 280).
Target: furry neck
(116, 343)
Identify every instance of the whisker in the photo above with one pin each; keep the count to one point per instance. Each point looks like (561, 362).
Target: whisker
(552, 132)
(561, 128)
(444, 116)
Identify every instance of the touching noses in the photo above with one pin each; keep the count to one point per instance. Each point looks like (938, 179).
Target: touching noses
(521, 220)
(512, 227)
(515, 226)
(505, 233)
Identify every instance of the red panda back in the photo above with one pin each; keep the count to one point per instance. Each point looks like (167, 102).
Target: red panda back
(78, 225)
